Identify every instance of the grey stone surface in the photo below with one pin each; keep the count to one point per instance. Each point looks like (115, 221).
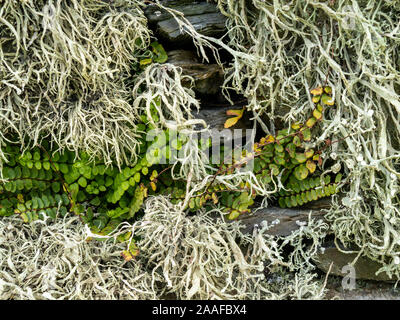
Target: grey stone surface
(363, 290)
(364, 268)
(204, 17)
(188, 7)
(282, 221)
(215, 117)
(365, 294)
(208, 77)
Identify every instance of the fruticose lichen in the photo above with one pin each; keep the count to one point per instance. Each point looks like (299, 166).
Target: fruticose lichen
(65, 70)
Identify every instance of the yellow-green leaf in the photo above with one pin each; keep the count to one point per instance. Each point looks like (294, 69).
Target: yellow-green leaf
(317, 114)
(301, 157)
(192, 203)
(297, 141)
(215, 198)
(274, 169)
(291, 149)
(127, 255)
(133, 249)
(306, 134)
(296, 126)
(233, 215)
(311, 122)
(309, 153)
(316, 99)
(145, 62)
(231, 122)
(328, 100)
(279, 148)
(270, 139)
(237, 113)
(137, 201)
(311, 166)
(328, 89)
(301, 172)
(317, 91)
(160, 55)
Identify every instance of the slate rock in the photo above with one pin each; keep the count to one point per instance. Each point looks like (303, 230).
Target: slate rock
(215, 117)
(208, 77)
(189, 7)
(282, 221)
(364, 268)
(363, 290)
(205, 18)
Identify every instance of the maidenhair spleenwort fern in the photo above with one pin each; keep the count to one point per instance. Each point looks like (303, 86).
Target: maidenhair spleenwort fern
(41, 183)
(287, 156)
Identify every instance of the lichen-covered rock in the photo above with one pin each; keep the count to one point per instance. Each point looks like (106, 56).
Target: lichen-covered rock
(364, 268)
(282, 222)
(216, 117)
(189, 7)
(208, 77)
(205, 18)
(364, 290)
